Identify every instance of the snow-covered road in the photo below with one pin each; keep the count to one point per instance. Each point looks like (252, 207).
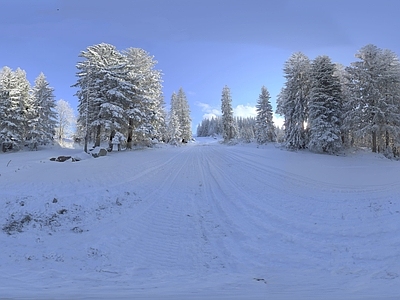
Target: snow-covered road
(204, 221)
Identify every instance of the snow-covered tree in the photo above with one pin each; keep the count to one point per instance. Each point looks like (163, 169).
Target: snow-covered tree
(183, 111)
(373, 108)
(43, 114)
(146, 110)
(265, 129)
(173, 130)
(228, 122)
(203, 127)
(342, 75)
(179, 116)
(119, 92)
(244, 127)
(104, 91)
(210, 127)
(324, 107)
(65, 120)
(293, 99)
(23, 94)
(27, 114)
(14, 97)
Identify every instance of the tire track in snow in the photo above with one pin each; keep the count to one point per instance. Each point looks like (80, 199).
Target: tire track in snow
(227, 228)
(212, 224)
(220, 210)
(253, 159)
(156, 227)
(280, 217)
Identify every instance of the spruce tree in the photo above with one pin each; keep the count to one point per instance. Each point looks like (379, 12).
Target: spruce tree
(347, 135)
(146, 111)
(120, 92)
(265, 129)
(174, 129)
(43, 117)
(14, 95)
(373, 107)
(229, 129)
(22, 92)
(104, 91)
(293, 99)
(325, 107)
(183, 112)
(179, 116)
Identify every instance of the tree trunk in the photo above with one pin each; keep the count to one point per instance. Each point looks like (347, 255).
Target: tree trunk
(373, 141)
(98, 134)
(130, 135)
(387, 139)
(110, 144)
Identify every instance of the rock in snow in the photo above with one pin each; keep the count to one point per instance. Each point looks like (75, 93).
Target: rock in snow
(98, 151)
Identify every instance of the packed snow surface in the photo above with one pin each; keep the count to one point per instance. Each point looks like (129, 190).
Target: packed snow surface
(201, 221)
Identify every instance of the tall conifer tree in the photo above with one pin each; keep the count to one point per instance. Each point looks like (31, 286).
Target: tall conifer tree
(228, 122)
(293, 100)
(325, 107)
(265, 129)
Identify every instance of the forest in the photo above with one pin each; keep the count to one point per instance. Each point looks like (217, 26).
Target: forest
(327, 107)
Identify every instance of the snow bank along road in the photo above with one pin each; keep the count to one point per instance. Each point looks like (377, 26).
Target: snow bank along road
(205, 221)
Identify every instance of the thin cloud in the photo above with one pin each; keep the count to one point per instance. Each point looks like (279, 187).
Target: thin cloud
(244, 111)
(209, 116)
(210, 112)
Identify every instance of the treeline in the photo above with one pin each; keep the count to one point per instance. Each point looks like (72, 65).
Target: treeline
(326, 107)
(27, 113)
(120, 97)
(260, 129)
(120, 100)
(245, 128)
(119, 92)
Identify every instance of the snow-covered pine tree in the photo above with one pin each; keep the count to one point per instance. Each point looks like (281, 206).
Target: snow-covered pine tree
(14, 101)
(9, 125)
(174, 129)
(89, 102)
(373, 108)
(246, 131)
(43, 117)
(23, 93)
(65, 120)
(120, 92)
(183, 111)
(202, 128)
(265, 129)
(293, 99)
(244, 127)
(105, 92)
(341, 73)
(324, 107)
(228, 122)
(146, 110)
(213, 127)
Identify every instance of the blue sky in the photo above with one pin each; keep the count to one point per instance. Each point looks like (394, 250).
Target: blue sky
(200, 45)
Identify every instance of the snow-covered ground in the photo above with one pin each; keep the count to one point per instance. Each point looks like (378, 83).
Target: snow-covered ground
(202, 221)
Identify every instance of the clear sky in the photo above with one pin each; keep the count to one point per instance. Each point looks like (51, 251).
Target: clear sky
(200, 45)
